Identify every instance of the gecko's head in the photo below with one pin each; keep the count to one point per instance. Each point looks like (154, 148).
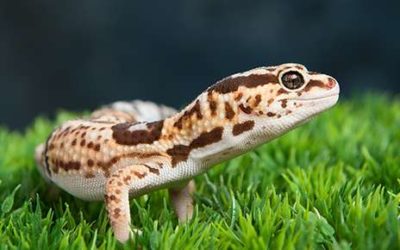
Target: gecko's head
(296, 94)
(277, 98)
(247, 109)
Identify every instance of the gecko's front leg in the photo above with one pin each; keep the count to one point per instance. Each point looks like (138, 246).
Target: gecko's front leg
(182, 201)
(117, 198)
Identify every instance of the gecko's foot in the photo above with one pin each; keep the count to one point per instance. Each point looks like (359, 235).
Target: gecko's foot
(182, 201)
(124, 235)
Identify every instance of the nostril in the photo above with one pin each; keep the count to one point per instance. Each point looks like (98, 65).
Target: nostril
(331, 83)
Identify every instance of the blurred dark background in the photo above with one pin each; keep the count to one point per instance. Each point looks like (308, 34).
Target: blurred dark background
(77, 55)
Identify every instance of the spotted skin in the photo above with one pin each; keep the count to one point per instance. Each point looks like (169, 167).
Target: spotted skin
(128, 149)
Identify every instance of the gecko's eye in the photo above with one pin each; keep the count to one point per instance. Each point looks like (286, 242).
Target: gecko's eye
(292, 80)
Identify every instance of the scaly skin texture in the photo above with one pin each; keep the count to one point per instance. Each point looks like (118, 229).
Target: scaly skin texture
(129, 149)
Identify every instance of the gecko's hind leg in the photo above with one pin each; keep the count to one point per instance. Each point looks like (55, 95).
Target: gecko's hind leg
(182, 201)
(117, 199)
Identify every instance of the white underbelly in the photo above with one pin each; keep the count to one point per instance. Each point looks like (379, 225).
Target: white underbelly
(84, 188)
(168, 177)
(93, 188)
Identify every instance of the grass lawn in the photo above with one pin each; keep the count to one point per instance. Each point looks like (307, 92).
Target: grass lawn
(331, 184)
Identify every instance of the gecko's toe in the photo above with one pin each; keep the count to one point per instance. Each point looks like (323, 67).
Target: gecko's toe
(122, 234)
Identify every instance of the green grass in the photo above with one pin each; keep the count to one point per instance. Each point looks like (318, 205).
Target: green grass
(331, 184)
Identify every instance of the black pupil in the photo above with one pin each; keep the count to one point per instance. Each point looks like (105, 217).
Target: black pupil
(292, 80)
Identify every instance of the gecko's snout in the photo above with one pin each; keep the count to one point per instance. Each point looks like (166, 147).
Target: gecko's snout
(330, 85)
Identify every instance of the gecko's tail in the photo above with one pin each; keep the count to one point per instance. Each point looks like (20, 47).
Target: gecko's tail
(139, 111)
(39, 154)
(39, 158)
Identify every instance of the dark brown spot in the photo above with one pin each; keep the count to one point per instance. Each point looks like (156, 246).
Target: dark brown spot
(51, 146)
(117, 212)
(83, 134)
(114, 160)
(71, 165)
(315, 83)
(246, 110)
(83, 143)
(73, 142)
(117, 191)
(281, 91)
(232, 84)
(106, 198)
(242, 127)
(207, 138)
(271, 114)
(181, 152)
(178, 153)
(113, 198)
(90, 145)
(257, 100)
(188, 114)
(101, 129)
(97, 147)
(284, 103)
(119, 183)
(270, 101)
(229, 113)
(238, 96)
(139, 175)
(212, 104)
(90, 163)
(122, 135)
(153, 170)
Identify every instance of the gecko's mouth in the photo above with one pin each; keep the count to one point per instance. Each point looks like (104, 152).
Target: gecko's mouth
(333, 93)
(319, 98)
